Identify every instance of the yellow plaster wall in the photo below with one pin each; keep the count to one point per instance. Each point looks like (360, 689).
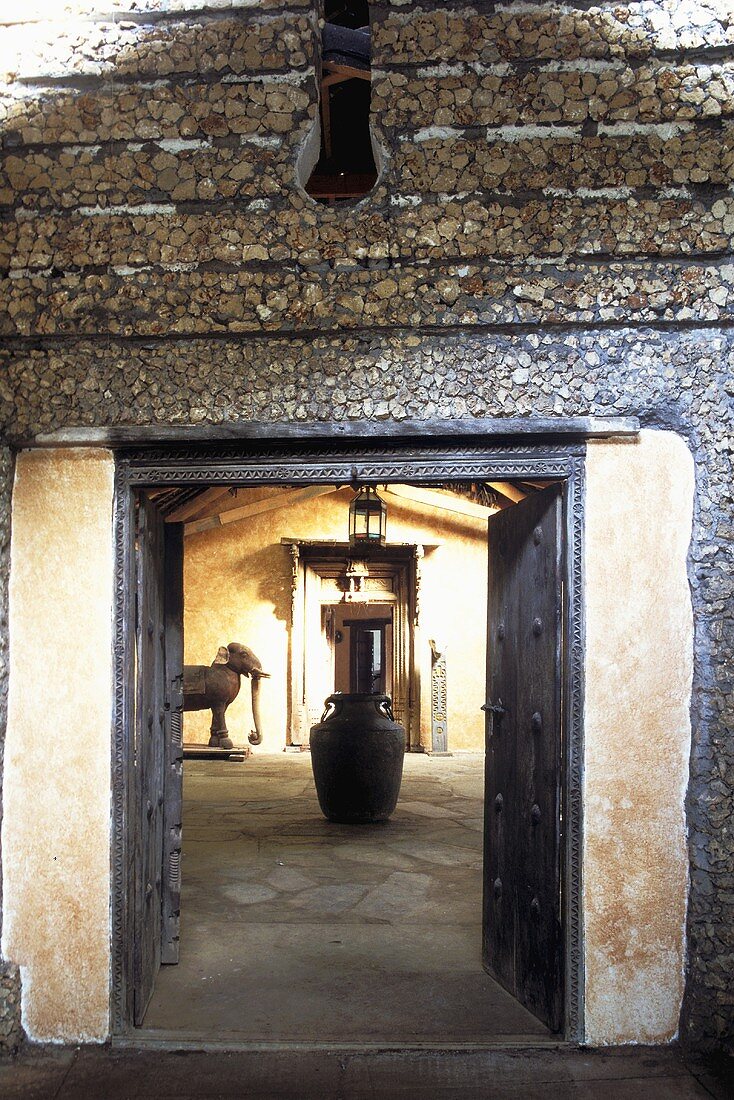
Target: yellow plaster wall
(639, 646)
(56, 824)
(237, 583)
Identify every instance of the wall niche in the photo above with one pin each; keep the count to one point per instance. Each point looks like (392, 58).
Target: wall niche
(346, 168)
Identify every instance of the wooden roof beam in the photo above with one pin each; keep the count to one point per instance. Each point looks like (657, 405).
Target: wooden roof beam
(507, 489)
(193, 509)
(442, 499)
(258, 507)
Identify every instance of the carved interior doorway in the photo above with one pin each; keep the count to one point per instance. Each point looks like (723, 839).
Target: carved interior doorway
(432, 463)
(335, 590)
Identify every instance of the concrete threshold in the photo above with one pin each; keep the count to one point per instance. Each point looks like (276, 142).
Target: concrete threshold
(154, 1039)
(130, 1067)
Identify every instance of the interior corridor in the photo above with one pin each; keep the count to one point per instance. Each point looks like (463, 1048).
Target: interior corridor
(297, 930)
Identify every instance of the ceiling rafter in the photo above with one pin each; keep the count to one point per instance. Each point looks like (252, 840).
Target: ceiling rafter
(202, 510)
(440, 499)
(283, 499)
(507, 489)
(194, 509)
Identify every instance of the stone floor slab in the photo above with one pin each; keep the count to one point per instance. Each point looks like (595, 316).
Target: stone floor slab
(104, 1073)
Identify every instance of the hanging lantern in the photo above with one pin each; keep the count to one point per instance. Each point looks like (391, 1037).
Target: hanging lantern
(367, 519)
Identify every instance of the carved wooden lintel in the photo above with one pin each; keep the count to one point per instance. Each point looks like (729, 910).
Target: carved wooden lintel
(354, 580)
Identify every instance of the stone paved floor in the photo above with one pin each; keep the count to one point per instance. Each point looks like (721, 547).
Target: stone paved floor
(298, 930)
(295, 929)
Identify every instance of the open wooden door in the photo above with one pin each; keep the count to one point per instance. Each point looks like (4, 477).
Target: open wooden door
(173, 779)
(157, 749)
(522, 937)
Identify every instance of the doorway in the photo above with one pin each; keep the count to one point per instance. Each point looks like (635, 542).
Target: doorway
(368, 655)
(435, 465)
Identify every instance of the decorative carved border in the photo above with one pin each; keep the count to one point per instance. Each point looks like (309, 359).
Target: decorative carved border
(351, 451)
(300, 464)
(120, 754)
(574, 761)
(343, 465)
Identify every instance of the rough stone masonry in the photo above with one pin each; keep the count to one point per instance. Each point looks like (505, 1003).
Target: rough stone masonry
(551, 234)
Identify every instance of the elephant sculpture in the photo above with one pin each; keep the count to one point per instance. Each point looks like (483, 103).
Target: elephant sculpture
(215, 686)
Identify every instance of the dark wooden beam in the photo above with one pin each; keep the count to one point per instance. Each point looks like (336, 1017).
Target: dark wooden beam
(526, 429)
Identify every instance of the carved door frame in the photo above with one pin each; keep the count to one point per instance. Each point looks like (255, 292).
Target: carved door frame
(444, 458)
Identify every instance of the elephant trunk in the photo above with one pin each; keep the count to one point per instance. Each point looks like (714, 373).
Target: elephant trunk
(255, 738)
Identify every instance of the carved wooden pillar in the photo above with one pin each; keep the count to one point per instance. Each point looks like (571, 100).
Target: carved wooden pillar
(439, 699)
(416, 656)
(312, 650)
(297, 728)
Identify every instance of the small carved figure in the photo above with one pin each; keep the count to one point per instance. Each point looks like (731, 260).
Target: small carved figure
(215, 686)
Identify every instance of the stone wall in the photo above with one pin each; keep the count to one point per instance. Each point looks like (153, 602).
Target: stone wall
(10, 1030)
(551, 235)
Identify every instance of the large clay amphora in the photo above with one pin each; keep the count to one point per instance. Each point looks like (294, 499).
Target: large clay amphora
(357, 752)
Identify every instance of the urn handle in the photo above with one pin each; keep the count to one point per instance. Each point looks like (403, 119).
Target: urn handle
(333, 707)
(384, 707)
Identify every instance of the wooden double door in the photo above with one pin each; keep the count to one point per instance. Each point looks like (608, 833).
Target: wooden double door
(522, 930)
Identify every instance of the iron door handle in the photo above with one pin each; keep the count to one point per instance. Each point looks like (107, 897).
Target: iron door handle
(494, 708)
